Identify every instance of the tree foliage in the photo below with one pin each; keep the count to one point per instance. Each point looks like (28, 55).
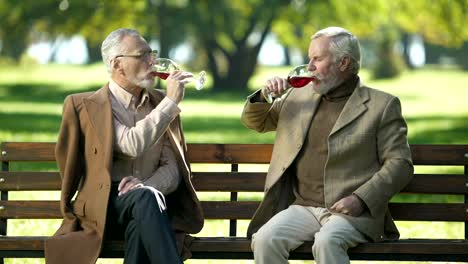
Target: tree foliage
(439, 21)
(231, 34)
(226, 35)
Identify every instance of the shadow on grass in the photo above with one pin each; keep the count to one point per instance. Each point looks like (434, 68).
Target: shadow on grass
(38, 92)
(21, 122)
(52, 93)
(220, 97)
(440, 130)
(431, 129)
(210, 124)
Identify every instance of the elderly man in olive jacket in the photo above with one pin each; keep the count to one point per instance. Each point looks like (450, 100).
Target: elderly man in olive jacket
(340, 154)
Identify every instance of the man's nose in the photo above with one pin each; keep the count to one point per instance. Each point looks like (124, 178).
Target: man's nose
(311, 67)
(152, 60)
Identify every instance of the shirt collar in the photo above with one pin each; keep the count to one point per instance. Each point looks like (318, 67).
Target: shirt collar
(124, 97)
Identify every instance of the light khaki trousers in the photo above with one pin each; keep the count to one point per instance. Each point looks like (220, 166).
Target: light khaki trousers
(288, 229)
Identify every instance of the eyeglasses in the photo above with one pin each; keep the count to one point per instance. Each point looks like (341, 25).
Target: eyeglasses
(149, 54)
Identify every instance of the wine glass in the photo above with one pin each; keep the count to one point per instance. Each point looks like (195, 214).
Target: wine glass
(298, 77)
(163, 67)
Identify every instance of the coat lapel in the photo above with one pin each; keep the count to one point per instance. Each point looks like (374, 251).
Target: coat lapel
(352, 109)
(99, 111)
(176, 140)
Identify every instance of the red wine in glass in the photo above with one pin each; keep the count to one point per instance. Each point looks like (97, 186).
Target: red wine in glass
(299, 81)
(299, 77)
(162, 75)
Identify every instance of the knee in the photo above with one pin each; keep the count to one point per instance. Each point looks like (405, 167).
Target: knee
(265, 241)
(145, 201)
(327, 241)
(145, 197)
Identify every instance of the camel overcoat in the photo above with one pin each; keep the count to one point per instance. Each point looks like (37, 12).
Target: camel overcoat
(84, 154)
(368, 154)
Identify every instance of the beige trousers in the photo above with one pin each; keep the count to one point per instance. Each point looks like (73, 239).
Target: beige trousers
(288, 229)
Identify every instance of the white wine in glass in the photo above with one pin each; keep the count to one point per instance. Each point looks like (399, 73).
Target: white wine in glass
(163, 67)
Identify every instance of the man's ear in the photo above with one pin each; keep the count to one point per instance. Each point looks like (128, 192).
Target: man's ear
(116, 66)
(345, 62)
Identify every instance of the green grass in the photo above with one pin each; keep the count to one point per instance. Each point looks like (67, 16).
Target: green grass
(433, 102)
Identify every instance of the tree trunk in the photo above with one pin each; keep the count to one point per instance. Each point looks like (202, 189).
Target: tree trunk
(241, 64)
(287, 56)
(389, 63)
(14, 46)
(94, 53)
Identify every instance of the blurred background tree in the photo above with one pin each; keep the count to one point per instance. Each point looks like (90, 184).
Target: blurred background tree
(226, 36)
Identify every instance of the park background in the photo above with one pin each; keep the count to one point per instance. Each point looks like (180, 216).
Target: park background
(417, 50)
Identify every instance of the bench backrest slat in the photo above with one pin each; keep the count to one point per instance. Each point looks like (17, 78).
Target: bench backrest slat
(30, 181)
(239, 153)
(230, 153)
(232, 182)
(439, 154)
(245, 210)
(28, 151)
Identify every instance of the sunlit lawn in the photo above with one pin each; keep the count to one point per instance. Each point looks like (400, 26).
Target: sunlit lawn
(433, 101)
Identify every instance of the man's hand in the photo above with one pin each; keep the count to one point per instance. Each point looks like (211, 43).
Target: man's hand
(129, 183)
(275, 86)
(350, 205)
(175, 85)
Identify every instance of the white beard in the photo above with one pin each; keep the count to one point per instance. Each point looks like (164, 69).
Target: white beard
(146, 83)
(326, 84)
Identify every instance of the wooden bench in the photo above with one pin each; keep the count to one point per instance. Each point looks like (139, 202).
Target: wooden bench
(235, 181)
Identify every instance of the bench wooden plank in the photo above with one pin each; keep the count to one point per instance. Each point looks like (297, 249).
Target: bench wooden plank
(437, 184)
(28, 151)
(430, 154)
(232, 182)
(230, 153)
(30, 181)
(198, 153)
(239, 248)
(229, 181)
(439, 154)
(245, 210)
(417, 246)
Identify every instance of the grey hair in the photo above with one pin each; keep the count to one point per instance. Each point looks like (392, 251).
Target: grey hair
(343, 43)
(112, 47)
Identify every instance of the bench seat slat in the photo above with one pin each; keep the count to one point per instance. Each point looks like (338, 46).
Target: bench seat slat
(233, 182)
(244, 210)
(239, 248)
